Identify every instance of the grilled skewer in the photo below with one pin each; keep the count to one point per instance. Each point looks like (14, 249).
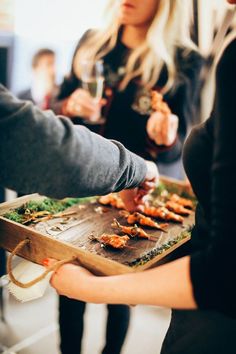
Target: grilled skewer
(114, 241)
(161, 213)
(143, 220)
(177, 208)
(187, 203)
(132, 231)
(113, 200)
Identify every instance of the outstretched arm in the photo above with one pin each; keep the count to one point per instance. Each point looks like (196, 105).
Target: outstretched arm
(41, 153)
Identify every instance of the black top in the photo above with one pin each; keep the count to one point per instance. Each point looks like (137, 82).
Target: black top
(127, 111)
(210, 162)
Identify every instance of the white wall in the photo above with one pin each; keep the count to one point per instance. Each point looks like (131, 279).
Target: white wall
(211, 15)
(53, 23)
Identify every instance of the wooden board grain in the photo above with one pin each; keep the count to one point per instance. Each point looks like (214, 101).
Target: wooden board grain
(74, 239)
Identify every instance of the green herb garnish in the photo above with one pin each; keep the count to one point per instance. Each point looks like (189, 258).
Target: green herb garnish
(51, 206)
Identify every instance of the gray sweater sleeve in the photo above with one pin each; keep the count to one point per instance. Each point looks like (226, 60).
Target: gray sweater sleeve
(42, 153)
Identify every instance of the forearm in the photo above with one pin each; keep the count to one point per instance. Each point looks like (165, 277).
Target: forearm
(168, 285)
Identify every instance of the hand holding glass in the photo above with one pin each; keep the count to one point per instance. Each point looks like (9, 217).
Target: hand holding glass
(92, 76)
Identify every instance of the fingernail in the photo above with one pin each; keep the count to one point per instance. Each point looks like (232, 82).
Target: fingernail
(46, 262)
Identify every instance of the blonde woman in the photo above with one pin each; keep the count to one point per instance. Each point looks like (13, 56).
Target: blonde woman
(144, 45)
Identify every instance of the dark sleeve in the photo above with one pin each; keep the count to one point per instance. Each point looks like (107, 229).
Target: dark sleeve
(71, 82)
(183, 100)
(41, 153)
(213, 270)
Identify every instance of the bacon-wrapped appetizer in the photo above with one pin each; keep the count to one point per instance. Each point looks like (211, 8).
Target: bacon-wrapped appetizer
(132, 231)
(158, 104)
(177, 208)
(187, 203)
(113, 200)
(114, 241)
(161, 213)
(143, 220)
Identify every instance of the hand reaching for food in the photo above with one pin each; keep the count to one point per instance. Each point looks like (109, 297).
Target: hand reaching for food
(135, 197)
(162, 126)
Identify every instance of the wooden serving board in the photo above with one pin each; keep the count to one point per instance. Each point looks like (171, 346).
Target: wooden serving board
(73, 238)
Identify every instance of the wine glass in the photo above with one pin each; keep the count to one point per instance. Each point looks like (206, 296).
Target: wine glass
(92, 77)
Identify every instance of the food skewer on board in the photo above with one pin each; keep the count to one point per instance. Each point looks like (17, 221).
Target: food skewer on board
(113, 200)
(187, 203)
(177, 208)
(114, 241)
(132, 231)
(142, 220)
(161, 213)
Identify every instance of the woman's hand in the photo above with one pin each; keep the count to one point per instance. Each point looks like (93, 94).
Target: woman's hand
(81, 104)
(70, 280)
(133, 198)
(162, 129)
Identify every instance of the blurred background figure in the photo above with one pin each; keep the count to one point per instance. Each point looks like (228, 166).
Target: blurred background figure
(43, 83)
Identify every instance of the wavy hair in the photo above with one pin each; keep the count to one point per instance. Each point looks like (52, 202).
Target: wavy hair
(169, 29)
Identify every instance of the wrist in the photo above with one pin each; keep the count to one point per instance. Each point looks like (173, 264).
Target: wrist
(64, 110)
(99, 290)
(90, 290)
(110, 289)
(152, 172)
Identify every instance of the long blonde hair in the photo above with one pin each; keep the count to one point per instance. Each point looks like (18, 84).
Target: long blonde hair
(169, 29)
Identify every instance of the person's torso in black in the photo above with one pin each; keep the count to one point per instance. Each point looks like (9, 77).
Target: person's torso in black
(127, 111)
(199, 150)
(197, 156)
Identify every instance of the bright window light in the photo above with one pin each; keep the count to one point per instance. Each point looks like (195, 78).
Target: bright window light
(56, 19)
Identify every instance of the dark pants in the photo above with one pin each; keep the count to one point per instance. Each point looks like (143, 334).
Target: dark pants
(2, 194)
(200, 332)
(71, 314)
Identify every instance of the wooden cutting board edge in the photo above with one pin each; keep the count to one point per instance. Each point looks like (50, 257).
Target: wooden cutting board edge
(42, 247)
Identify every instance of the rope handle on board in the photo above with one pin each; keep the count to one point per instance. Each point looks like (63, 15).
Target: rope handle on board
(53, 267)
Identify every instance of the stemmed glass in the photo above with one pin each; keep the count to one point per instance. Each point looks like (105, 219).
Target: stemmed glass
(92, 76)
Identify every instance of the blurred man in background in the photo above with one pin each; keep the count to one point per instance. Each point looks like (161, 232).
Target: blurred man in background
(43, 85)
